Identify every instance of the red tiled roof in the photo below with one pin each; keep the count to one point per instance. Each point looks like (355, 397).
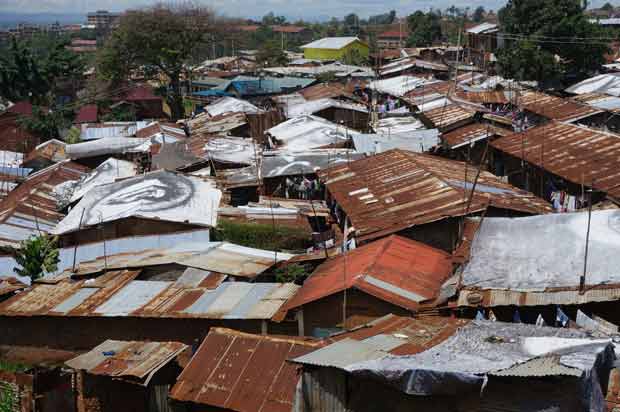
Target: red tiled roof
(394, 269)
(87, 114)
(247, 28)
(243, 372)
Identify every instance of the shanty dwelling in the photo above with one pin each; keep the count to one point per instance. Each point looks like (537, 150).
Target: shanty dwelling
(308, 132)
(157, 301)
(229, 123)
(414, 66)
(33, 207)
(127, 376)
(154, 203)
(12, 173)
(13, 136)
(562, 162)
(236, 371)
(234, 163)
(418, 196)
(293, 174)
(541, 108)
(479, 366)
(469, 143)
(535, 264)
(335, 48)
(92, 153)
(45, 154)
(351, 115)
(34, 379)
(391, 275)
(482, 40)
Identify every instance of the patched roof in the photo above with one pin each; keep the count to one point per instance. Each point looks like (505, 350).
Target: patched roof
(394, 269)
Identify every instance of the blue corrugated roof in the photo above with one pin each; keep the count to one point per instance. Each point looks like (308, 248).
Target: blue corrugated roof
(246, 85)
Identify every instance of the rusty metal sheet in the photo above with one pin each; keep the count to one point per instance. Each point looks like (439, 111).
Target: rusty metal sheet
(484, 97)
(576, 153)
(394, 190)
(32, 207)
(555, 108)
(467, 135)
(394, 269)
(130, 359)
(448, 115)
(242, 372)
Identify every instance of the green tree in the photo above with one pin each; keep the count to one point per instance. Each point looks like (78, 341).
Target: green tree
(478, 14)
(46, 123)
(270, 19)
(564, 25)
(354, 58)
(294, 273)
(32, 70)
(270, 54)
(607, 7)
(425, 29)
(37, 255)
(160, 36)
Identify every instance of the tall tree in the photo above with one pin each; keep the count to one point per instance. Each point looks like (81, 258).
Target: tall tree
(478, 14)
(31, 72)
(540, 30)
(161, 36)
(270, 54)
(425, 28)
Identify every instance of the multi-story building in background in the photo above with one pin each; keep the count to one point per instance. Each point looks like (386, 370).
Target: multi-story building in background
(103, 19)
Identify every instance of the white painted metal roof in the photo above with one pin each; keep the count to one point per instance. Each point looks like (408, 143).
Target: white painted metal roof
(483, 28)
(107, 146)
(160, 195)
(332, 43)
(232, 149)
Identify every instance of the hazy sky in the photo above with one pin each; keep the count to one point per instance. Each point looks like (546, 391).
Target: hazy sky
(308, 9)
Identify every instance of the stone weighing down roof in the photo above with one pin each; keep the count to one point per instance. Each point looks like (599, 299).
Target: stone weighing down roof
(159, 195)
(243, 372)
(394, 190)
(539, 260)
(394, 269)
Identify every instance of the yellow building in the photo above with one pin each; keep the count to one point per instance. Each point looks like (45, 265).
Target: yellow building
(335, 48)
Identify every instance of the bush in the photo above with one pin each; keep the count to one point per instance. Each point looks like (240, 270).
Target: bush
(262, 236)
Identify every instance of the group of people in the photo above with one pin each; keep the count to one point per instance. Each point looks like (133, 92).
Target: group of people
(302, 188)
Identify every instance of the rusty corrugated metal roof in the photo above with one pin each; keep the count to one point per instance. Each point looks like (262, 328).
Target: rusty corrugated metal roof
(9, 284)
(418, 334)
(394, 269)
(32, 207)
(448, 115)
(575, 153)
(135, 361)
(394, 190)
(555, 108)
(119, 294)
(243, 372)
(484, 97)
(467, 134)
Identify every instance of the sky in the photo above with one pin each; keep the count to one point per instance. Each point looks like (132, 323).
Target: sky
(307, 9)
